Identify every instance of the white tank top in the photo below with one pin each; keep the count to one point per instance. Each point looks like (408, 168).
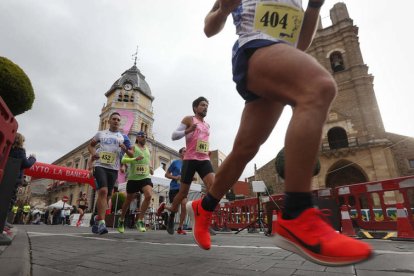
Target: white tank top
(243, 19)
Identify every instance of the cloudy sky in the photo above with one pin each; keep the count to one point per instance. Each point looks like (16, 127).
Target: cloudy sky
(73, 51)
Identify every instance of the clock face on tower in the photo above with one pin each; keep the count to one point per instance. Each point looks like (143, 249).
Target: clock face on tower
(127, 86)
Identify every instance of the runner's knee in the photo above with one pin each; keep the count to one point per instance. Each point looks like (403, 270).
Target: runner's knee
(244, 152)
(147, 197)
(320, 93)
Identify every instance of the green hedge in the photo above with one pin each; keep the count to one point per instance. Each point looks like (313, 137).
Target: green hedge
(15, 87)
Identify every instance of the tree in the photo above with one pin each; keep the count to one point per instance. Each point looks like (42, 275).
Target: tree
(280, 164)
(15, 87)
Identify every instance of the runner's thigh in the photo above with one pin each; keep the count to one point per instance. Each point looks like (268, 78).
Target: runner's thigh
(283, 73)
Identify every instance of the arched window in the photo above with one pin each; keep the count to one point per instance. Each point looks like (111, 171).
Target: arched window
(337, 138)
(337, 62)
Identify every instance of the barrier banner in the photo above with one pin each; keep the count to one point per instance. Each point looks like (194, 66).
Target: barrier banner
(43, 170)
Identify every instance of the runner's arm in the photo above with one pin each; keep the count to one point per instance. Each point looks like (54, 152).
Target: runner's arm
(169, 175)
(92, 149)
(179, 132)
(310, 24)
(127, 159)
(217, 17)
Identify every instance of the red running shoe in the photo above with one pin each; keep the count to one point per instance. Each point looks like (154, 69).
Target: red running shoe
(161, 209)
(200, 220)
(78, 223)
(312, 238)
(181, 232)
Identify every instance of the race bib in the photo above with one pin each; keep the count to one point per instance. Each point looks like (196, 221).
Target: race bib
(202, 146)
(141, 169)
(107, 158)
(279, 21)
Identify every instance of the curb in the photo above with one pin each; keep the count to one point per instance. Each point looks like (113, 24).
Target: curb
(15, 258)
(383, 235)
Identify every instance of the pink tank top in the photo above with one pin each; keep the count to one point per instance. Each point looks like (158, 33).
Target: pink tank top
(197, 142)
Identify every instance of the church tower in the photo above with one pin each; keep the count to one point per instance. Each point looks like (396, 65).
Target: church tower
(130, 95)
(355, 147)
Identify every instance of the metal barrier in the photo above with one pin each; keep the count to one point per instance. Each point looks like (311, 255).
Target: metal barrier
(8, 129)
(235, 214)
(373, 204)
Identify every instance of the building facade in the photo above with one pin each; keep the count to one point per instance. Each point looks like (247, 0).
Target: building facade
(131, 96)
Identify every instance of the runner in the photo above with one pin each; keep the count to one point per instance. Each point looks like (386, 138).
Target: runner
(271, 70)
(139, 180)
(107, 157)
(26, 212)
(82, 206)
(174, 173)
(196, 158)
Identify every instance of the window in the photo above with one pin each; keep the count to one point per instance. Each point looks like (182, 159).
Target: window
(85, 163)
(337, 62)
(411, 163)
(337, 138)
(164, 166)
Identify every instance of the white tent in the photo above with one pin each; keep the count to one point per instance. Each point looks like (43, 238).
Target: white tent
(158, 178)
(161, 183)
(59, 205)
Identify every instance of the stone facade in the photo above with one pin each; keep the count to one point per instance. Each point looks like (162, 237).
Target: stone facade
(355, 147)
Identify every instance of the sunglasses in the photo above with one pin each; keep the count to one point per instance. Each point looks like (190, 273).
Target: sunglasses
(116, 119)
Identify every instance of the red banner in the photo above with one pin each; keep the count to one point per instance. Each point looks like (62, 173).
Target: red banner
(42, 170)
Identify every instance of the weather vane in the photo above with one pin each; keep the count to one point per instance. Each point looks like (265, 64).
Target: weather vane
(135, 56)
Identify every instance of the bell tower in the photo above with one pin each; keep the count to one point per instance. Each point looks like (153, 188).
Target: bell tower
(355, 147)
(130, 95)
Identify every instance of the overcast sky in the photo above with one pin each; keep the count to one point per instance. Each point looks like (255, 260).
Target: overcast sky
(74, 50)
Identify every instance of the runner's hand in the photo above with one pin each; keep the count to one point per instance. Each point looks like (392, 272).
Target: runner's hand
(227, 6)
(123, 147)
(90, 169)
(122, 169)
(316, 3)
(192, 128)
(139, 157)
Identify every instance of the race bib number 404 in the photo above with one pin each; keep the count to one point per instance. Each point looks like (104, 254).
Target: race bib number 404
(107, 157)
(279, 21)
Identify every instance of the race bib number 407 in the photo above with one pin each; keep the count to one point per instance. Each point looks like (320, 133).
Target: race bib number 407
(202, 146)
(279, 21)
(107, 157)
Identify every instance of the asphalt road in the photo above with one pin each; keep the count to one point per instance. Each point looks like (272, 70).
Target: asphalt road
(67, 250)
